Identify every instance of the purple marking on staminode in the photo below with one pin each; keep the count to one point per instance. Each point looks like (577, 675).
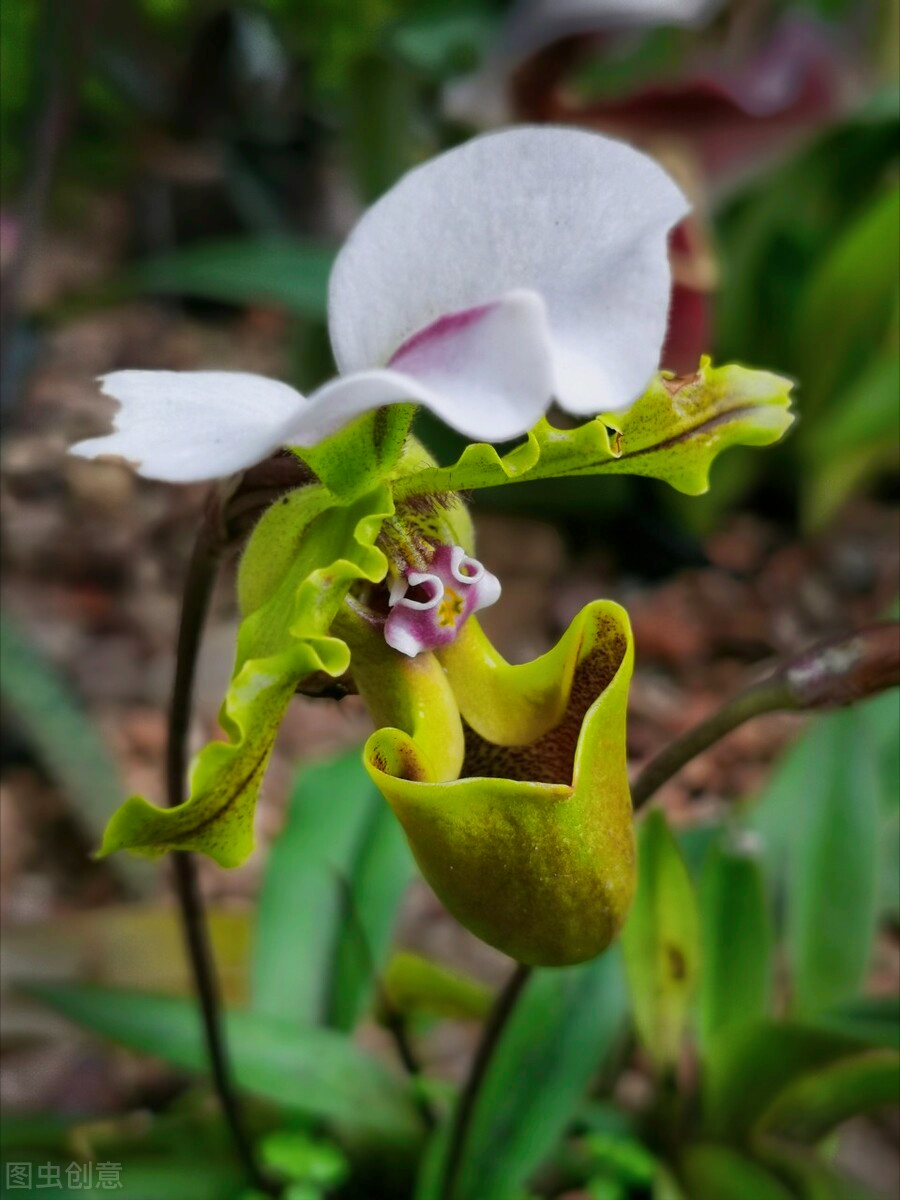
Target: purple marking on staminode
(441, 328)
(459, 586)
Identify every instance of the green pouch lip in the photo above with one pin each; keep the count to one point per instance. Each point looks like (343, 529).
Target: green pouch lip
(544, 871)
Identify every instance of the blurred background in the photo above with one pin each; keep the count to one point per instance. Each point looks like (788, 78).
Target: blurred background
(176, 178)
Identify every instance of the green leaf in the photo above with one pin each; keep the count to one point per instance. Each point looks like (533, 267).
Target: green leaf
(872, 1019)
(301, 905)
(833, 894)
(819, 820)
(414, 985)
(378, 881)
(60, 733)
(41, 1131)
(139, 1179)
(565, 1023)
(810, 1175)
(280, 643)
(660, 942)
(665, 1186)
(749, 1065)
(623, 1158)
(735, 937)
(866, 413)
(445, 39)
(850, 299)
(316, 1072)
(286, 271)
(719, 1173)
(808, 1109)
(859, 435)
(298, 1156)
(673, 432)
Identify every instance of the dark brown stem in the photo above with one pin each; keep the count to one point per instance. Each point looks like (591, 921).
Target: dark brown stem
(764, 698)
(395, 1024)
(504, 1006)
(198, 590)
(840, 671)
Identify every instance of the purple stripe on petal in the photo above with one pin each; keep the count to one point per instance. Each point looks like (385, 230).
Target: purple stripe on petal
(422, 345)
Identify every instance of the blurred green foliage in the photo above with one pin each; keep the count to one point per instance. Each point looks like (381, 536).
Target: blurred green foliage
(771, 1090)
(810, 255)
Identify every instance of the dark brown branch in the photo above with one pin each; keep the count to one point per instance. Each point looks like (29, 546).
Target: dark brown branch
(198, 590)
(840, 671)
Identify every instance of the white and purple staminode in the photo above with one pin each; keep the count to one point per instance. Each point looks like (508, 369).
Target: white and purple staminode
(428, 608)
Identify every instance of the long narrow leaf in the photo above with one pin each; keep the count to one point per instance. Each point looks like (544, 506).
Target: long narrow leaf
(735, 938)
(661, 942)
(819, 819)
(62, 737)
(317, 1072)
(563, 1027)
(302, 908)
(811, 1107)
(834, 890)
(379, 878)
(750, 1065)
(281, 270)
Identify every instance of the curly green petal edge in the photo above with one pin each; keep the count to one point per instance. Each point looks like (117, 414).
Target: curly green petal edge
(533, 848)
(281, 641)
(673, 433)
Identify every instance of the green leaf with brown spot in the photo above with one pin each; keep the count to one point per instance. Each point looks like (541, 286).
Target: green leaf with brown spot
(673, 433)
(280, 643)
(661, 942)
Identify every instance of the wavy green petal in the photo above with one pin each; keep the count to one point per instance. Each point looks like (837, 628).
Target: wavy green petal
(533, 847)
(673, 432)
(280, 642)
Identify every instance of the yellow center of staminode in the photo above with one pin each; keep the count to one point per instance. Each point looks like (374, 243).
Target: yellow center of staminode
(450, 608)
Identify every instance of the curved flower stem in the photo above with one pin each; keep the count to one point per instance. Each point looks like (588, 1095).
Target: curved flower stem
(836, 672)
(763, 698)
(504, 1005)
(201, 577)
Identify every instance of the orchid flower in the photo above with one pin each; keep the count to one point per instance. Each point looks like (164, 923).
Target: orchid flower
(522, 267)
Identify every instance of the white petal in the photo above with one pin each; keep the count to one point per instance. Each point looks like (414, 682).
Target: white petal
(486, 372)
(186, 426)
(579, 219)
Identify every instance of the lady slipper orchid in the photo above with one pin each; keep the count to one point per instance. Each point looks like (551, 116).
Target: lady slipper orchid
(520, 268)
